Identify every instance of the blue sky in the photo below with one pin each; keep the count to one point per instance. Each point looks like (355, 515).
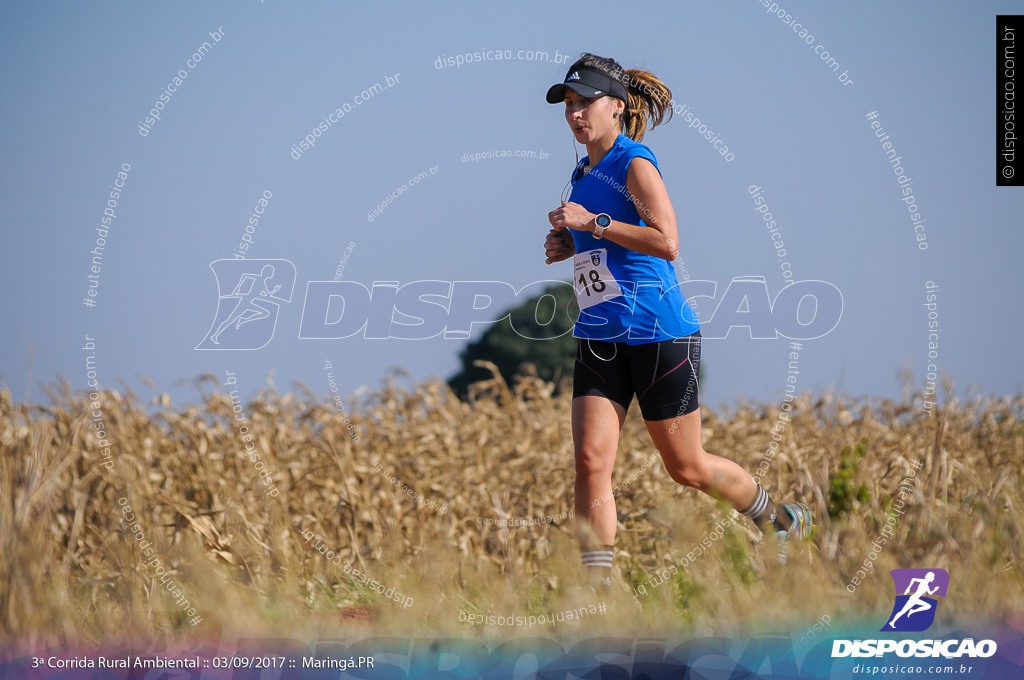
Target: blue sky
(80, 79)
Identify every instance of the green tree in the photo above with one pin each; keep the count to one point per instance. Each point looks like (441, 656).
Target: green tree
(536, 332)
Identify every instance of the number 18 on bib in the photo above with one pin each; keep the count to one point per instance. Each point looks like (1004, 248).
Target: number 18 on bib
(592, 280)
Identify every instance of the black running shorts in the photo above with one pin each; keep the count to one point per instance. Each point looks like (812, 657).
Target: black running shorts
(662, 375)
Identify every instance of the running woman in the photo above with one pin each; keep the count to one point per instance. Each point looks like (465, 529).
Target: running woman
(916, 603)
(636, 332)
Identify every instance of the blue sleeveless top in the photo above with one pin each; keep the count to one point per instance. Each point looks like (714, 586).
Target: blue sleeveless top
(651, 308)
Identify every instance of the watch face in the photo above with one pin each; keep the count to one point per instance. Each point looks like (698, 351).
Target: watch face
(603, 221)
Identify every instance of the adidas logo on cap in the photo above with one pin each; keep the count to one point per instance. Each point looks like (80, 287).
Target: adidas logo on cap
(575, 76)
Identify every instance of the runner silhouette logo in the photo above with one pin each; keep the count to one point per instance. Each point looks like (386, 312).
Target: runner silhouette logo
(914, 610)
(250, 295)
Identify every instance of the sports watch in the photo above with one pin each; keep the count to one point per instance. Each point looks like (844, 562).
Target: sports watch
(602, 222)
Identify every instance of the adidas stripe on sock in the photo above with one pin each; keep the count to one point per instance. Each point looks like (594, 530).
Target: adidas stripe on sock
(598, 559)
(766, 515)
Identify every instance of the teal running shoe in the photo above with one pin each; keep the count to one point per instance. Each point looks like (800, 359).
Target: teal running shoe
(800, 528)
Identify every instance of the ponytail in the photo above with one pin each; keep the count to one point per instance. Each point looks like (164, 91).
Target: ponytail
(648, 101)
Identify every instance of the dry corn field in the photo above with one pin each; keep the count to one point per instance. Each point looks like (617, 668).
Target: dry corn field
(72, 573)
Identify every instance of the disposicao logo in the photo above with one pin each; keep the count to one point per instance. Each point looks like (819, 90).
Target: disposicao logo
(914, 611)
(257, 288)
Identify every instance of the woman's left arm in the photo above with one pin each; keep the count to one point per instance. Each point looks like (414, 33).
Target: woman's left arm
(659, 238)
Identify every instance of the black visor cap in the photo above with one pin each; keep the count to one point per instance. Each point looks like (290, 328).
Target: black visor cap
(586, 83)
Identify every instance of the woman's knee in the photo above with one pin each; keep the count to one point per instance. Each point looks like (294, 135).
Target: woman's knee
(689, 472)
(592, 461)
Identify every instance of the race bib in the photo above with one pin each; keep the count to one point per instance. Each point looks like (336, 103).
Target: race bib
(591, 279)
